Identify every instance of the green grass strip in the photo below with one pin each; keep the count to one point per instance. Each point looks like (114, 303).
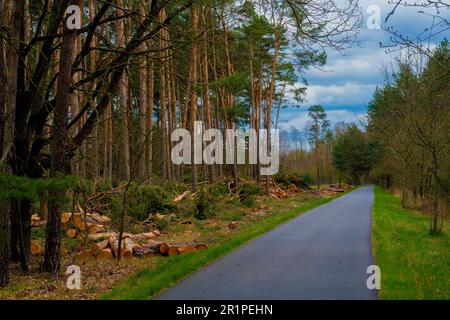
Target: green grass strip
(170, 270)
(414, 264)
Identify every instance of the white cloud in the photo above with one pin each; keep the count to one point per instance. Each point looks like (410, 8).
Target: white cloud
(335, 116)
(345, 94)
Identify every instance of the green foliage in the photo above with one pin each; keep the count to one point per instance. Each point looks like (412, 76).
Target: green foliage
(146, 200)
(248, 192)
(24, 188)
(286, 179)
(319, 123)
(308, 179)
(352, 154)
(142, 201)
(203, 204)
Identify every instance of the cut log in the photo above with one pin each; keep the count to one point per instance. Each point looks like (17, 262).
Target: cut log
(186, 249)
(173, 251)
(71, 233)
(126, 247)
(105, 254)
(161, 247)
(35, 249)
(106, 220)
(102, 236)
(180, 197)
(103, 244)
(79, 222)
(201, 246)
(95, 228)
(127, 235)
(143, 236)
(98, 247)
(65, 217)
(145, 252)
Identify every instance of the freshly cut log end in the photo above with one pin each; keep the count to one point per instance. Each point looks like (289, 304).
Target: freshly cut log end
(77, 221)
(164, 248)
(65, 217)
(173, 251)
(71, 233)
(35, 249)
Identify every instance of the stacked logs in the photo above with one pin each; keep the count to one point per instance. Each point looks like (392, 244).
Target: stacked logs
(133, 245)
(106, 243)
(75, 223)
(334, 189)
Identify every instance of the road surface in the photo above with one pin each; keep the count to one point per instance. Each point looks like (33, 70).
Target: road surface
(322, 254)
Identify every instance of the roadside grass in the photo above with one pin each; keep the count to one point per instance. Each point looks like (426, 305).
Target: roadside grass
(414, 264)
(167, 271)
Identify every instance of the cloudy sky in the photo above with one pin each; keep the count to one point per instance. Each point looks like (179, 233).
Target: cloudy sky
(346, 85)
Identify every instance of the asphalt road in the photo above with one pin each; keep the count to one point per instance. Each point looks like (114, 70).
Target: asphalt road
(322, 254)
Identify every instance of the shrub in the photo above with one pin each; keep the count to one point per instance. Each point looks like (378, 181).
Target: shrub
(203, 204)
(143, 201)
(248, 192)
(287, 179)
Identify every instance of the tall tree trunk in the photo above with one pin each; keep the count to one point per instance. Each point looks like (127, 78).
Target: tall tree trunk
(435, 223)
(21, 216)
(10, 19)
(123, 100)
(52, 257)
(205, 76)
(142, 108)
(150, 91)
(228, 95)
(270, 97)
(193, 94)
(163, 102)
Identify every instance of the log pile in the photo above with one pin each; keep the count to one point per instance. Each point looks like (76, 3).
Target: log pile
(75, 223)
(105, 242)
(334, 189)
(276, 191)
(133, 245)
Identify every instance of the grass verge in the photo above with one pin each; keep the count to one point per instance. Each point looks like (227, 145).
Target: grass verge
(168, 271)
(414, 264)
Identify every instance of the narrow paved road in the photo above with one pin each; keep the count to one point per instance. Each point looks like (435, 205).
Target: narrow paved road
(323, 254)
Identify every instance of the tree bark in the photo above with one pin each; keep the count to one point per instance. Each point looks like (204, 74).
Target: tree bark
(142, 108)
(9, 19)
(52, 257)
(123, 100)
(193, 95)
